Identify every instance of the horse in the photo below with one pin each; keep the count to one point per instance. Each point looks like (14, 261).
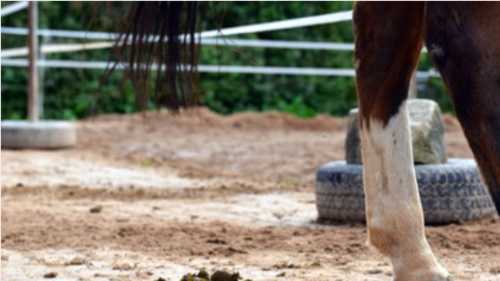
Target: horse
(463, 42)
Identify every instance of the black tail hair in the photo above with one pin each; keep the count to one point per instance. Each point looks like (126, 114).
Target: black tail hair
(160, 38)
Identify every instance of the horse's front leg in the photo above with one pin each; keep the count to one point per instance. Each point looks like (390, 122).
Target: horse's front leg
(388, 43)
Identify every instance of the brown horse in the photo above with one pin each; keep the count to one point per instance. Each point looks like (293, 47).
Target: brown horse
(463, 40)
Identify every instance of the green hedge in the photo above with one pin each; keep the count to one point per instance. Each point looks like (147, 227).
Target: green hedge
(71, 93)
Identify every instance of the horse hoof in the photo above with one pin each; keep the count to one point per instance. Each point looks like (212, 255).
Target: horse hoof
(428, 276)
(435, 274)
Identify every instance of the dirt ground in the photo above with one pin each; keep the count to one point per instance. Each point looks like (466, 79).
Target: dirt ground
(151, 196)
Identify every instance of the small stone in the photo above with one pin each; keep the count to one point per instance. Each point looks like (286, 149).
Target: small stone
(143, 274)
(76, 261)
(374, 271)
(286, 265)
(50, 275)
(217, 241)
(95, 209)
(123, 266)
(224, 276)
(316, 264)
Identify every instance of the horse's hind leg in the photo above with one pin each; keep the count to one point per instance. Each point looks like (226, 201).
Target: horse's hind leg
(464, 42)
(388, 42)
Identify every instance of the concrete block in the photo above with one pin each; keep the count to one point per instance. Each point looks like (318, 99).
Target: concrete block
(38, 135)
(427, 131)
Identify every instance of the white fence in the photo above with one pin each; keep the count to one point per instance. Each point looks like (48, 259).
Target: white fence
(15, 57)
(211, 37)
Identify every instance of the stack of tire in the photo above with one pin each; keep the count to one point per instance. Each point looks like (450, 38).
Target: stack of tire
(451, 190)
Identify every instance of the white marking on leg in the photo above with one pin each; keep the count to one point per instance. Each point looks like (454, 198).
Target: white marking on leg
(393, 209)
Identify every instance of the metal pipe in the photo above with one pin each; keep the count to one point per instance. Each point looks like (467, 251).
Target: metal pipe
(13, 8)
(269, 70)
(33, 98)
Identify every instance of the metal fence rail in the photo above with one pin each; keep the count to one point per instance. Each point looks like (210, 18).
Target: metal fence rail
(267, 70)
(7, 10)
(231, 42)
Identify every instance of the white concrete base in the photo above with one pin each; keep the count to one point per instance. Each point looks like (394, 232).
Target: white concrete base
(38, 135)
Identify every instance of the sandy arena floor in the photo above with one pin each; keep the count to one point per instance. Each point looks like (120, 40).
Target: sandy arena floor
(152, 196)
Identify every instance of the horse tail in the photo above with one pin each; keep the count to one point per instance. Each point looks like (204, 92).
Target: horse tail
(158, 45)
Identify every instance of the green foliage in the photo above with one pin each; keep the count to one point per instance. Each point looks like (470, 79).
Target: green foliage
(76, 93)
(297, 107)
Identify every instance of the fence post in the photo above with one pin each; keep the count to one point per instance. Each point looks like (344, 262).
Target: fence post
(33, 99)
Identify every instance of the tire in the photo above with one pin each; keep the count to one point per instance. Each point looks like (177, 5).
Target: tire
(451, 192)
